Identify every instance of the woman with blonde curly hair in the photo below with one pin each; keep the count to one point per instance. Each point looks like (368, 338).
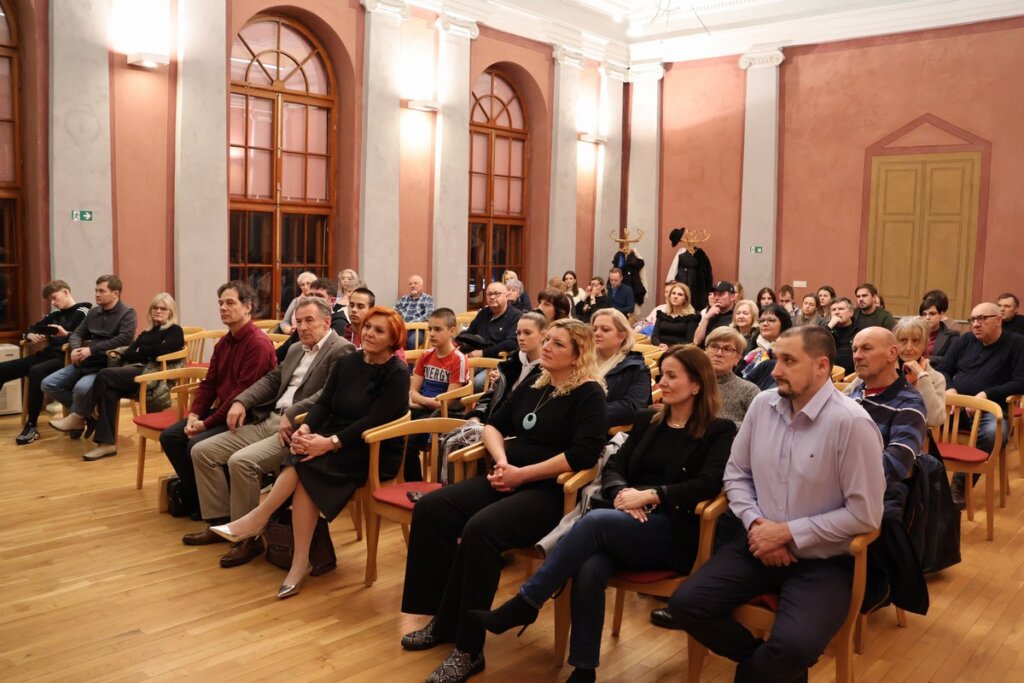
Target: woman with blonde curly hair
(459, 532)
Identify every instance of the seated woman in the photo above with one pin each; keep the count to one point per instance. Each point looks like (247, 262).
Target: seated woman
(554, 304)
(677, 323)
(624, 371)
(459, 532)
(912, 336)
(826, 295)
(304, 280)
(765, 296)
(724, 347)
(744, 319)
(757, 364)
(808, 314)
(514, 370)
(329, 459)
(112, 384)
(674, 459)
(594, 300)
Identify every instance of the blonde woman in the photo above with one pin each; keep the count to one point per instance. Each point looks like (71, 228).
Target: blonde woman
(459, 532)
(744, 318)
(112, 384)
(912, 336)
(304, 280)
(623, 369)
(348, 281)
(678, 322)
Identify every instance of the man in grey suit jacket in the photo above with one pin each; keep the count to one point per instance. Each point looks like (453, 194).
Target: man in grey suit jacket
(260, 421)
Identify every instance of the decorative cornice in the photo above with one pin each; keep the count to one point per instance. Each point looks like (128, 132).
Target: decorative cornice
(614, 71)
(457, 26)
(396, 8)
(772, 57)
(567, 57)
(645, 72)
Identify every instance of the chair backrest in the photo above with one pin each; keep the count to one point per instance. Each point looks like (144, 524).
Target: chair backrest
(185, 379)
(464, 319)
(838, 372)
(266, 325)
(278, 339)
(421, 329)
(484, 363)
(195, 343)
(958, 420)
(191, 329)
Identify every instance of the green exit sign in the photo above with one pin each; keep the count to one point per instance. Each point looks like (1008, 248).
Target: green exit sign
(756, 249)
(81, 215)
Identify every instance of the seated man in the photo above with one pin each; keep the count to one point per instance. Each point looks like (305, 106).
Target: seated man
(940, 335)
(870, 313)
(719, 312)
(360, 300)
(108, 325)
(415, 307)
(1008, 304)
(321, 288)
(804, 477)
(842, 329)
(621, 295)
(260, 421)
(239, 359)
(52, 331)
(897, 408)
(496, 324)
(987, 363)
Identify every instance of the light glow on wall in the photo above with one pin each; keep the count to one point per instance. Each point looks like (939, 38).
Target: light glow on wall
(141, 30)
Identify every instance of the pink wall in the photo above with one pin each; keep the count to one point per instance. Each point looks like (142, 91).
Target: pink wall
(838, 99)
(702, 161)
(528, 65)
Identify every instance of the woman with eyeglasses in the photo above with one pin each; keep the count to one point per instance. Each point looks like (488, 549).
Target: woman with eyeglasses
(725, 347)
(112, 384)
(758, 362)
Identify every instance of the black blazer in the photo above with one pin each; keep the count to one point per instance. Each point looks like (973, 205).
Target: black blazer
(694, 474)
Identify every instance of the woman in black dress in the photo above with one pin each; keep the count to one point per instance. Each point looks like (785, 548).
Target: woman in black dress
(674, 459)
(594, 300)
(329, 459)
(678, 322)
(459, 532)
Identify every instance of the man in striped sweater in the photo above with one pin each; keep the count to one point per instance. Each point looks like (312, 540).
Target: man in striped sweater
(895, 406)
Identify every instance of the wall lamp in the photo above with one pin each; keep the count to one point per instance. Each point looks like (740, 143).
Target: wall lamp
(591, 138)
(422, 105)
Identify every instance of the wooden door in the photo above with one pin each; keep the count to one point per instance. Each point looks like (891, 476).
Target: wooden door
(923, 227)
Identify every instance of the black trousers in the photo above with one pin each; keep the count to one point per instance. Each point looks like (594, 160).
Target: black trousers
(178, 448)
(35, 367)
(814, 596)
(109, 387)
(445, 577)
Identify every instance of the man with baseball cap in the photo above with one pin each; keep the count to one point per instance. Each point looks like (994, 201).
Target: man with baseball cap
(719, 311)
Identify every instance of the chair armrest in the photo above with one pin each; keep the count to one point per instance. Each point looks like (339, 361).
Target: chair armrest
(464, 390)
(381, 432)
(299, 419)
(468, 454)
(860, 542)
(174, 374)
(709, 511)
(472, 400)
(180, 354)
(573, 481)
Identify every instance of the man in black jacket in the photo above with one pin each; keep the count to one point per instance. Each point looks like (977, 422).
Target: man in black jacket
(53, 331)
(108, 325)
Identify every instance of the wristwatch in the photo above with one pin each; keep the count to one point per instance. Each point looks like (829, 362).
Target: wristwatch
(335, 441)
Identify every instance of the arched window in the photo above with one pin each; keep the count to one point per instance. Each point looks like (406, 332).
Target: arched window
(497, 183)
(283, 113)
(12, 296)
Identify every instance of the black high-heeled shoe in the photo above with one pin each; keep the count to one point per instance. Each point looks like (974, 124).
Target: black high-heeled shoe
(515, 612)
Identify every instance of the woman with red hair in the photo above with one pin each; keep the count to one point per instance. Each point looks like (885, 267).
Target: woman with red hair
(328, 459)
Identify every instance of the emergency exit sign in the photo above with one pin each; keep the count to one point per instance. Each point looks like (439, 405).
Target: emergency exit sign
(756, 249)
(81, 215)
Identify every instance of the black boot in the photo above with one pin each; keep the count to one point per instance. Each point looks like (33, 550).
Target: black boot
(515, 612)
(579, 675)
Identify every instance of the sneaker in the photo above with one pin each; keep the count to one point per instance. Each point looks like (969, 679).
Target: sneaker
(102, 450)
(458, 667)
(72, 423)
(54, 407)
(27, 436)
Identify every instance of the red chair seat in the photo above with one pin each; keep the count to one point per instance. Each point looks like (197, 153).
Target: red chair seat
(158, 421)
(644, 576)
(962, 453)
(396, 495)
(768, 600)
(1017, 412)
(199, 365)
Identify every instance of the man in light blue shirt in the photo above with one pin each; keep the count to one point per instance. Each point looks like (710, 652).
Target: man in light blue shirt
(804, 477)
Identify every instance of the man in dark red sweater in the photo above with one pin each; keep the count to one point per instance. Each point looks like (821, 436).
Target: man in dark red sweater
(240, 358)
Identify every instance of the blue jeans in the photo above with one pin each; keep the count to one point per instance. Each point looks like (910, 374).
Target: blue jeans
(70, 387)
(598, 544)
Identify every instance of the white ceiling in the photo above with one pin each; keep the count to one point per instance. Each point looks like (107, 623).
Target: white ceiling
(645, 31)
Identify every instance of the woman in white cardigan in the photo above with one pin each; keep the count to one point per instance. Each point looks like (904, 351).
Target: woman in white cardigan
(912, 336)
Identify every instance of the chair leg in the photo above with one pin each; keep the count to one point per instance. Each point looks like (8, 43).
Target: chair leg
(142, 462)
(695, 654)
(563, 616)
(969, 495)
(844, 660)
(901, 619)
(405, 535)
(356, 512)
(990, 501)
(858, 633)
(372, 536)
(620, 601)
(1004, 482)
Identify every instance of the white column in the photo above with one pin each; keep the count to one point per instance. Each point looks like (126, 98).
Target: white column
(608, 202)
(80, 171)
(644, 163)
(564, 179)
(378, 187)
(758, 207)
(451, 162)
(200, 163)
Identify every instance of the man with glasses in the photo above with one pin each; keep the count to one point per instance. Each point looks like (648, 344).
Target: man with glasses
(986, 363)
(495, 323)
(1008, 304)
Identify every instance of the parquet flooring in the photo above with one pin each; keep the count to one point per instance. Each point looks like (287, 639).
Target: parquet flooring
(95, 585)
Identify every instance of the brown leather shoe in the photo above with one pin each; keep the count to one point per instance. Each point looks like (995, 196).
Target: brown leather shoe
(204, 537)
(243, 552)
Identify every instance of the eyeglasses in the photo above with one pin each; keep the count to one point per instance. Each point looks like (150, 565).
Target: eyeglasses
(768, 320)
(159, 308)
(721, 348)
(493, 295)
(981, 318)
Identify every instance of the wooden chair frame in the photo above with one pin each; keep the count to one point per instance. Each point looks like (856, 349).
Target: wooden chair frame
(421, 329)
(188, 379)
(1014, 403)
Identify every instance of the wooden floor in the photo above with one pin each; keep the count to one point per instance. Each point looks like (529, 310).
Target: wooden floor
(95, 585)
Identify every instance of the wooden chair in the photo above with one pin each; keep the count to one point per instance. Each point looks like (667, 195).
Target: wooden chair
(758, 620)
(647, 349)
(266, 325)
(25, 348)
(641, 338)
(191, 329)
(421, 329)
(412, 356)
(966, 458)
(195, 347)
(464, 319)
(1015, 408)
(449, 397)
(838, 373)
(278, 339)
(390, 500)
(150, 425)
(476, 364)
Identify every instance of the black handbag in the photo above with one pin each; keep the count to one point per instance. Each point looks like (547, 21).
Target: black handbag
(281, 544)
(179, 502)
